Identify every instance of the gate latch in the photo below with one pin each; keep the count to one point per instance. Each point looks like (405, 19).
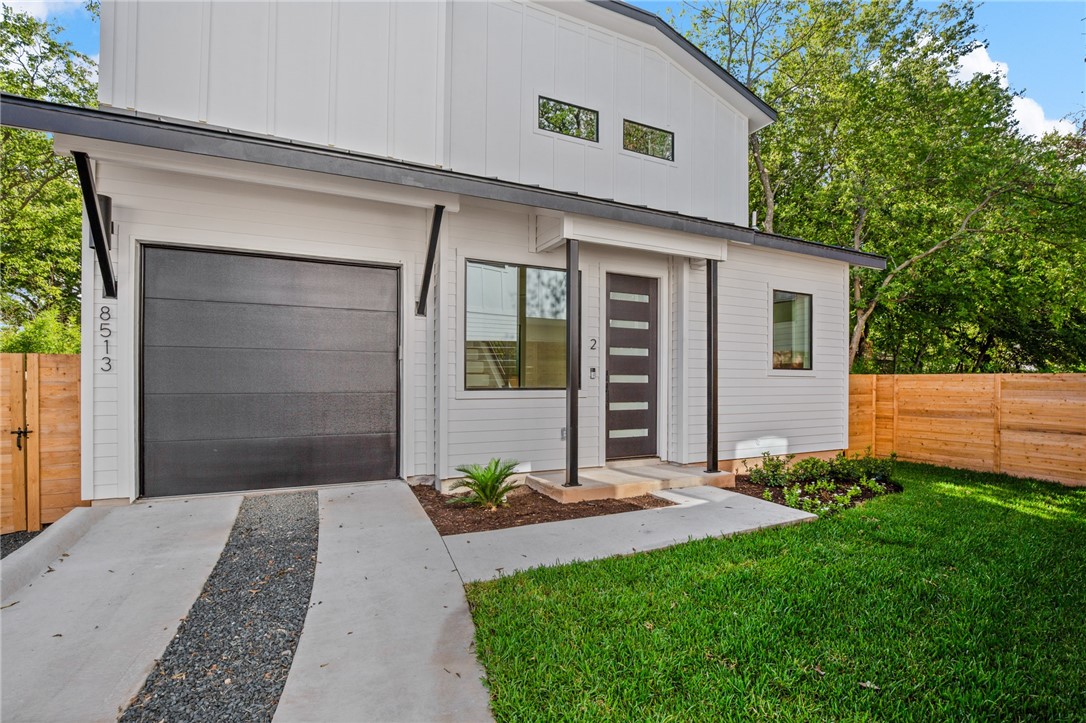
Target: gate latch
(19, 434)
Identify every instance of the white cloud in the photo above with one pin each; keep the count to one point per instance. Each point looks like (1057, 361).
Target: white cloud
(1028, 112)
(1032, 121)
(978, 61)
(41, 9)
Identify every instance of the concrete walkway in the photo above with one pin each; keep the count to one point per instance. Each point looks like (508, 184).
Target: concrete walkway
(79, 641)
(702, 512)
(388, 636)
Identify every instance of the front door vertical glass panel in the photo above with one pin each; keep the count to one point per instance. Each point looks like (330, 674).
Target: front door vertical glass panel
(632, 342)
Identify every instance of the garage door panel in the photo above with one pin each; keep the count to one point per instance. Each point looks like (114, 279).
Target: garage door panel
(204, 276)
(266, 372)
(185, 468)
(263, 326)
(174, 418)
(180, 370)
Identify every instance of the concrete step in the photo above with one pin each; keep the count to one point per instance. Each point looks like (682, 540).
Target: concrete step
(602, 483)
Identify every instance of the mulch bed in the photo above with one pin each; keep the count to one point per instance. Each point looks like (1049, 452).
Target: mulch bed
(744, 486)
(524, 506)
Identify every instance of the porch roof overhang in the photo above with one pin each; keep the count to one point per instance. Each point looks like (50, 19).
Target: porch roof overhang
(208, 141)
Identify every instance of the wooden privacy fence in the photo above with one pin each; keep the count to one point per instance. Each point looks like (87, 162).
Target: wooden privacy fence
(1028, 425)
(40, 438)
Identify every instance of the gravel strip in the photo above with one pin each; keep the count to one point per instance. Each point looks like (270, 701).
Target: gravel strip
(12, 541)
(230, 657)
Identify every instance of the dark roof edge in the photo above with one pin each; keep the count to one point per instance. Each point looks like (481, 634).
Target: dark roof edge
(679, 39)
(200, 139)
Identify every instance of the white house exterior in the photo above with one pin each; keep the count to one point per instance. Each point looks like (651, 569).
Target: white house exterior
(276, 171)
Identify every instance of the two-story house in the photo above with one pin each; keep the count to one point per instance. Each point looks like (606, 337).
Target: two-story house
(331, 242)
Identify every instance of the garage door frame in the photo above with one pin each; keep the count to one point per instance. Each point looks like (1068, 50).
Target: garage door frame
(139, 345)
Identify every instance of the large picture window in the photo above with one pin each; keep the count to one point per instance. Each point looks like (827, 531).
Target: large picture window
(791, 330)
(515, 327)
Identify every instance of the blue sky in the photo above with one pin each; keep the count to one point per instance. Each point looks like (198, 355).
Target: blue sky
(1040, 45)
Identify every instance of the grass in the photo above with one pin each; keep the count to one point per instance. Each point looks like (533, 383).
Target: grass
(962, 598)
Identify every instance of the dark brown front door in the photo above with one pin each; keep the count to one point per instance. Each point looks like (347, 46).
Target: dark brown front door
(631, 366)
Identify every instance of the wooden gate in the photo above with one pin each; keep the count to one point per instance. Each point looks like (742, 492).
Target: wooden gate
(39, 439)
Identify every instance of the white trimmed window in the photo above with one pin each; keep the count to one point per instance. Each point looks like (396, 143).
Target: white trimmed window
(792, 330)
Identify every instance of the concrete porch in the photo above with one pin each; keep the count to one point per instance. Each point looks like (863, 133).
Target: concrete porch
(626, 479)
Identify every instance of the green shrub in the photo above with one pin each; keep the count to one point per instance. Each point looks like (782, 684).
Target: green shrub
(772, 472)
(845, 469)
(880, 469)
(810, 471)
(44, 334)
(488, 485)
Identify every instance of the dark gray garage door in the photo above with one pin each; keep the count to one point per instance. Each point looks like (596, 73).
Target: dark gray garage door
(266, 372)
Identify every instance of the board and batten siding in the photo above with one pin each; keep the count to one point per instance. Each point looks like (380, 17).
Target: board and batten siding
(451, 84)
(762, 409)
(505, 55)
(154, 206)
(367, 76)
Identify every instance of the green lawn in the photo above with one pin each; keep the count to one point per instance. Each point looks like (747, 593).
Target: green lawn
(962, 598)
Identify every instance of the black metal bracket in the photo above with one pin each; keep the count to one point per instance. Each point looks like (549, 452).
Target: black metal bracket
(431, 258)
(96, 218)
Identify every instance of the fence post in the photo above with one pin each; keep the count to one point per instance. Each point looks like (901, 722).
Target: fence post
(874, 414)
(33, 442)
(997, 414)
(893, 423)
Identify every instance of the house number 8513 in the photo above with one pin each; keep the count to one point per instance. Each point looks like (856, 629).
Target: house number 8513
(105, 331)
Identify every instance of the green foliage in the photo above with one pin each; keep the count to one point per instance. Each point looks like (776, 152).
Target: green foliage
(824, 487)
(488, 485)
(880, 146)
(809, 471)
(771, 472)
(962, 598)
(44, 334)
(40, 205)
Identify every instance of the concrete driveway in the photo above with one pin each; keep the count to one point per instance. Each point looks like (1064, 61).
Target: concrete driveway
(81, 636)
(387, 637)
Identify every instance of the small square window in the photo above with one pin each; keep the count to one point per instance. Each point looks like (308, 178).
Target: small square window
(792, 330)
(648, 141)
(568, 119)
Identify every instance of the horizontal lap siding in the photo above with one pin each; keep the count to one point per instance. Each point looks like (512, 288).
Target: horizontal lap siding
(1022, 424)
(762, 410)
(157, 206)
(522, 425)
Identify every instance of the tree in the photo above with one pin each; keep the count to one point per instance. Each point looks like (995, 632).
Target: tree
(880, 147)
(40, 207)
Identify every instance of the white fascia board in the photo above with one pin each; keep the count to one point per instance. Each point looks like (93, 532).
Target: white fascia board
(632, 236)
(610, 20)
(227, 169)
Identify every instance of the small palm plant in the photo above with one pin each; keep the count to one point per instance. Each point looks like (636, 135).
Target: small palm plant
(488, 485)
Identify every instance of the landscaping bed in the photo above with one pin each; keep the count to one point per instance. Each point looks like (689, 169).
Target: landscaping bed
(819, 486)
(524, 506)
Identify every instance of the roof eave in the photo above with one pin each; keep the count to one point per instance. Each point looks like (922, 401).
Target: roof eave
(200, 139)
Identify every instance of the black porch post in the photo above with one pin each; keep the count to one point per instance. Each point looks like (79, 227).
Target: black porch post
(712, 323)
(573, 358)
